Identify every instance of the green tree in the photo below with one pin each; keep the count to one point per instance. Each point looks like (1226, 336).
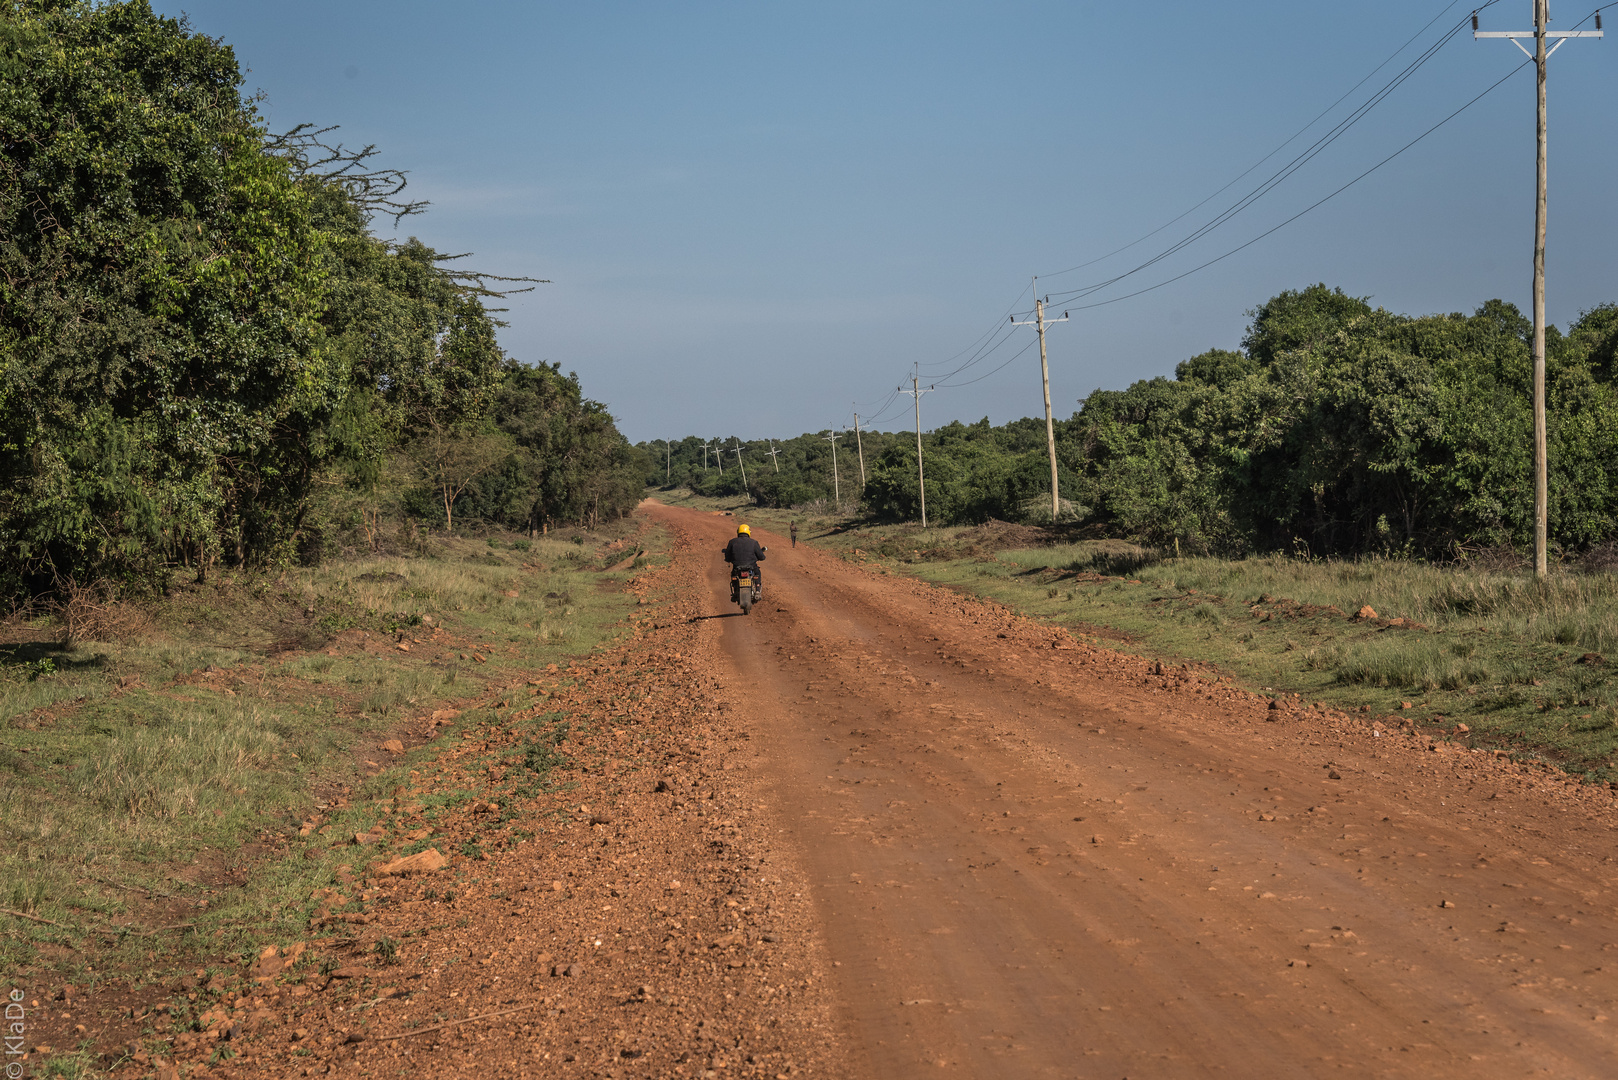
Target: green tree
(1291, 321)
(449, 461)
(161, 287)
(410, 332)
(570, 465)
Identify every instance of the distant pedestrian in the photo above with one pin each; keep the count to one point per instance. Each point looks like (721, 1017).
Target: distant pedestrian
(794, 530)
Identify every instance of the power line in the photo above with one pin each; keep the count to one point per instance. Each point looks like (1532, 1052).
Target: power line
(1040, 323)
(1324, 199)
(1002, 335)
(993, 371)
(915, 392)
(860, 447)
(987, 334)
(1281, 175)
(1282, 146)
(987, 344)
(885, 402)
(990, 342)
(837, 485)
(872, 422)
(1540, 58)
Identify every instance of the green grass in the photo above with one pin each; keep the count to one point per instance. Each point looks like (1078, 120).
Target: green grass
(1501, 652)
(156, 766)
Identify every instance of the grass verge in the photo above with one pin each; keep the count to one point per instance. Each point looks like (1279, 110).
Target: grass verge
(186, 795)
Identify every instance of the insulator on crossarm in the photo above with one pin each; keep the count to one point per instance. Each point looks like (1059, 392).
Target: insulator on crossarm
(1598, 19)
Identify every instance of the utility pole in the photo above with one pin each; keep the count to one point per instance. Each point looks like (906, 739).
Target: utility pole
(858, 445)
(738, 452)
(718, 455)
(836, 485)
(916, 391)
(773, 453)
(1540, 55)
(1045, 378)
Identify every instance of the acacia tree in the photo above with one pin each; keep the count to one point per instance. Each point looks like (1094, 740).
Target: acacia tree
(408, 326)
(449, 461)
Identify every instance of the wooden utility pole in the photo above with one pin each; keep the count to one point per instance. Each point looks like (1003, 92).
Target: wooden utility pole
(743, 467)
(916, 391)
(1541, 469)
(773, 453)
(718, 456)
(1039, 323)
(836, 485)
(860, 447)
(1541, 34)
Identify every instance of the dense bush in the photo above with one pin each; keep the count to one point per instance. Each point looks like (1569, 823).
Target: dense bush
(567, 462)
(974, 472)
(199, 330)
(161, 383)
(1342, 428)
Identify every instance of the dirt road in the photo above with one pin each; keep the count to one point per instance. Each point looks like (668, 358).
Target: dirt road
(1029, 857)
(877, 830)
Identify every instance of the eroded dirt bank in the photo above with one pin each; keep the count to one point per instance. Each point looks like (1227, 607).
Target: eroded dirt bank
(878, 830)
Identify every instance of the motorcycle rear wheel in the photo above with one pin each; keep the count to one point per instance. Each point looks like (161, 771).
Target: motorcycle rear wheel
(746, 601)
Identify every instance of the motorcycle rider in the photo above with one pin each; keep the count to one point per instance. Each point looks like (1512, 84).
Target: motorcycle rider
(745, 553)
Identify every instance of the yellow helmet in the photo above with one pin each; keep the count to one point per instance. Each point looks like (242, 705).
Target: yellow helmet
(743, 530)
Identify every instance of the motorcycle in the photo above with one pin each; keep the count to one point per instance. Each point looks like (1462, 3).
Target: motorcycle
(745, 587)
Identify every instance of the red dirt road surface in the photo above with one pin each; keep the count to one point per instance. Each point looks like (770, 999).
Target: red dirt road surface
(1030, 857)
(878, 830)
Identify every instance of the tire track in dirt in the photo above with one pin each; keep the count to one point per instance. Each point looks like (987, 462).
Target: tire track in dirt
(1032, 857)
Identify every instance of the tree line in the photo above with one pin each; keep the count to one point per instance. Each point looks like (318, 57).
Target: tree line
(208, 354)
(1335, 428)
(800, 471)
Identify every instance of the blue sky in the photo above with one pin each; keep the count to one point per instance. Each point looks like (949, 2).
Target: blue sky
(756, 214)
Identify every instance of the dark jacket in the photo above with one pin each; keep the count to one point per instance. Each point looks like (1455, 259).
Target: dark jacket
(744, 552)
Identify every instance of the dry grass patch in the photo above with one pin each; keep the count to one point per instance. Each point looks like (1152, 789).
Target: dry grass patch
(146, 766)
(95, 611)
